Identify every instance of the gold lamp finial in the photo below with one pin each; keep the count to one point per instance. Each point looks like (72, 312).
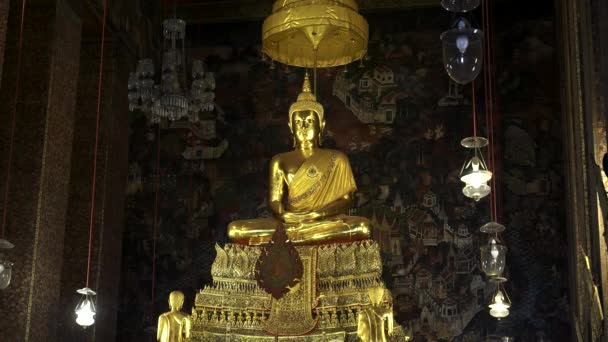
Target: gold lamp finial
(306, 86)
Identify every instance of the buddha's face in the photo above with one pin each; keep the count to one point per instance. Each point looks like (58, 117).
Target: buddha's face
(306, 127)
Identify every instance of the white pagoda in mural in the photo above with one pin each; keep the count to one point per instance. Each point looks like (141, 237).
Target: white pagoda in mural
(373, 98)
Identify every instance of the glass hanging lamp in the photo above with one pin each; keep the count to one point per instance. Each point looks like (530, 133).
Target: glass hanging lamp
(492, 228)
(6, 267)
(500, 305)
(460, 5)
(493, 258)
(462, 51)
(86, 310)
(475, 173)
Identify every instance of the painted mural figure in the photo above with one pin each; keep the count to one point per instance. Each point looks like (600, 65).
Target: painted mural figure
(174, 326)
(310, 188)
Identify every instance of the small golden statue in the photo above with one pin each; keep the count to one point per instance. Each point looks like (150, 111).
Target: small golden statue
(371, 325)
(310, 188)
(174, 326)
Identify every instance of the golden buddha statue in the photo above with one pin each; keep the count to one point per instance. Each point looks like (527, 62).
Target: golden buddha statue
(174, 326)
(310, 188)
(375, 320)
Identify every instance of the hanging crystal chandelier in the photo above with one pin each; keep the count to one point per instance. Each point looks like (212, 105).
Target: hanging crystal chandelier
(459, 5)
(171, 99)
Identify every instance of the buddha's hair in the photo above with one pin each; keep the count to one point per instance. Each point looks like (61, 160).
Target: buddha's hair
(307, 101)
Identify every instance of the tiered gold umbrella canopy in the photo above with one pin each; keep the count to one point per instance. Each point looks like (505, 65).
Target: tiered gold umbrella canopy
(315, 33)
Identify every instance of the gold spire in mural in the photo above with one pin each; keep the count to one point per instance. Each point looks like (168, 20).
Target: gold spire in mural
(321, 33)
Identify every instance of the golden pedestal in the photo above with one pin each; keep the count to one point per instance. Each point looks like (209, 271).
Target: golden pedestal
(322, 307)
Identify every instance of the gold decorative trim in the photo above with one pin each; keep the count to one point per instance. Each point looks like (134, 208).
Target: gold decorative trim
(339, 277)
(315, 186)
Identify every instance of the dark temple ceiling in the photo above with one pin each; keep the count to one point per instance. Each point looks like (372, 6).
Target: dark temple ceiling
(214, 11)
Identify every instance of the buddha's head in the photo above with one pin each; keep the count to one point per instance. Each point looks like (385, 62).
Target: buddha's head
(306, 118)
(176, 300)
(376, 294)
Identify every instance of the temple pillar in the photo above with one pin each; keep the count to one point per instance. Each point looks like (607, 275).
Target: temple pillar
(112, 169)
(38, 197)
(581, 53)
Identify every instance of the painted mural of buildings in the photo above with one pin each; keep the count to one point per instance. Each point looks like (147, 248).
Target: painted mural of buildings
(374, 98)
(446, 289)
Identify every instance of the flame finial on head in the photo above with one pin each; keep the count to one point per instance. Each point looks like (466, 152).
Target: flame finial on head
(307, 101)
(306, 86)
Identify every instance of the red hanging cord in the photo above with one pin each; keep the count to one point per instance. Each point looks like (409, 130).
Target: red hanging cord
(473, 100)
(486, 75)
(155, 219)
(94, 181)
(191, 209)
(489, 89)
(9, 165)
(497, 202)
(491, 103)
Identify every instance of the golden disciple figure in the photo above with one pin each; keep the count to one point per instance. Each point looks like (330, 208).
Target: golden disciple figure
(371, 321)
(311, 188)
(174, 326)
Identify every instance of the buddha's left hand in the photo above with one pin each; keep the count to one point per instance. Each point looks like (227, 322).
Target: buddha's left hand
(292, 217)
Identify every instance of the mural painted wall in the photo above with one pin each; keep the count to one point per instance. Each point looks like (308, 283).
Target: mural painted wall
(400, 121)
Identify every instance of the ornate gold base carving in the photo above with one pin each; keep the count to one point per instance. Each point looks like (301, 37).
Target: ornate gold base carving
(324, 306)
(292, 314)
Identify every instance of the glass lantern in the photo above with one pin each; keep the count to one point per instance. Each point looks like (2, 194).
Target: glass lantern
(475, 173)
(6, 272)
(492, 228)
(494, 338)
(460, 5)
(85, 310)
(462, 51)
(493, 258)
(6, 267)
(500, 305)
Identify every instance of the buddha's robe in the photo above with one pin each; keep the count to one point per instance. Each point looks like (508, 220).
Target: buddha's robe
(173, 327)
(322, 179)
(374, 322)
